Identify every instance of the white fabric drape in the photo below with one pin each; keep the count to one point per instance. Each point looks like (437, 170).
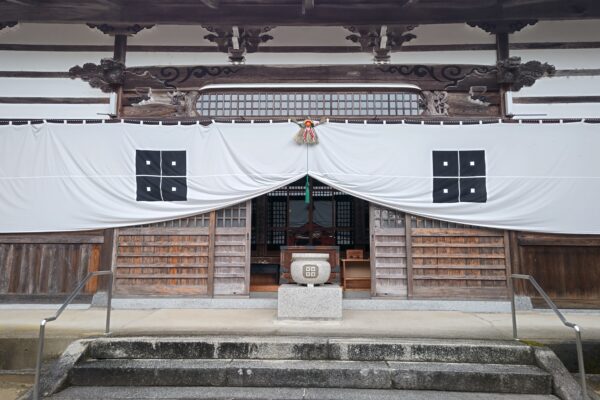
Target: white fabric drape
(72, 177)
(539, 177)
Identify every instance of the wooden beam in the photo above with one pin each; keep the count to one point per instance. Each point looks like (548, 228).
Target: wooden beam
(452, 78)
(297, 49)
(54, 100)
(277, 12)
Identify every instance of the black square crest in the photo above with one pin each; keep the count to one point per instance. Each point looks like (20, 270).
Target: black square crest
(459, 176)
(148, 188)
(445, 163)
(472, 163)
(473, 190)
(147, 162)
(161, 175)
(445, 190)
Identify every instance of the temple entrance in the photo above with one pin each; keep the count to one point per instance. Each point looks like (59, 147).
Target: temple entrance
(291, 218)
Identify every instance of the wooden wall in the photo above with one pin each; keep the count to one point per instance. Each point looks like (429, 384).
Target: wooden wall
(45, 265)
(567, 267)
(418, 257)
(35, 59)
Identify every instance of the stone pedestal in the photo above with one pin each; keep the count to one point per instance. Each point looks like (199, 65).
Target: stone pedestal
(309, 303)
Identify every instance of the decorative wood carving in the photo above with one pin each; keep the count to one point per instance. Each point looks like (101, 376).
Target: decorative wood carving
(175, 77)
(496, 27)
(8, 24)
(173, 104)
(118, 29)
(436, 103)
(107, 76)
(380, 40)
(517, 74)
(236, 41)
(454, 78)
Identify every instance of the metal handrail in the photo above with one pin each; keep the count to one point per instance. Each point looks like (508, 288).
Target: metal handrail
(38, 365)
(562, 318)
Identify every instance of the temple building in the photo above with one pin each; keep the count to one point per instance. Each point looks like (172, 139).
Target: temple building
(431, 148)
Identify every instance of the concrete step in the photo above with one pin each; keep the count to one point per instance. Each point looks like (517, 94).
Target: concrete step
(489, 378)
(262, 393)
(311, 348)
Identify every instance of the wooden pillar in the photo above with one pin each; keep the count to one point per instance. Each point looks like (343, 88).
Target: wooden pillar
(212, 236)
(502, 53)
(409, 259)
(107, 257)
(120, 54)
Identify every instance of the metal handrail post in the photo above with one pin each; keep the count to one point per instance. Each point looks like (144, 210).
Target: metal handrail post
(109, 303)
(41, 338)
(562, 318)
(513, 309)
(38, 362)
(580, 360)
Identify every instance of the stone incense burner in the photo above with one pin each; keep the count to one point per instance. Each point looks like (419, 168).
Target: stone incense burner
(310, 268)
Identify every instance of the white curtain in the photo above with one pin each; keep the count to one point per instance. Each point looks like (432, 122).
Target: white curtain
(66, 177)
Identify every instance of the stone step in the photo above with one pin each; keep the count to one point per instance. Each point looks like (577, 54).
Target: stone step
(311, 348)
(489, 378)
(261, 393)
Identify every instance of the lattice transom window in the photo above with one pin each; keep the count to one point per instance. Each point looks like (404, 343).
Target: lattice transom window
(336, 102)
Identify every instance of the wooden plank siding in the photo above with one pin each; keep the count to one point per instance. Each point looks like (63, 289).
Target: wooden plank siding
(451, 260)
(180, 257)
(567, 267)
(165, 258)
(48, 264)
(435, 259)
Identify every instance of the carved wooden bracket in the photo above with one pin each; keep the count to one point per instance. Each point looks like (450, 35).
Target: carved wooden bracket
(436, 103)
(495, 27)
(237, 41)
(113, 30)
(8, 24)
(175, 104)
(380, 39)
(517, 74)
(107, 76)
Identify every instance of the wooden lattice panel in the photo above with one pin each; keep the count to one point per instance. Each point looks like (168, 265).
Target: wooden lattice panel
(388, 252)
(232, 250)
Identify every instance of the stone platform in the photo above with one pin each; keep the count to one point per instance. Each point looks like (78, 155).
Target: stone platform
(297, 302)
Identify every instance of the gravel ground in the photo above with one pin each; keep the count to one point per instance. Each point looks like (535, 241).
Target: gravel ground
(13, 385)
